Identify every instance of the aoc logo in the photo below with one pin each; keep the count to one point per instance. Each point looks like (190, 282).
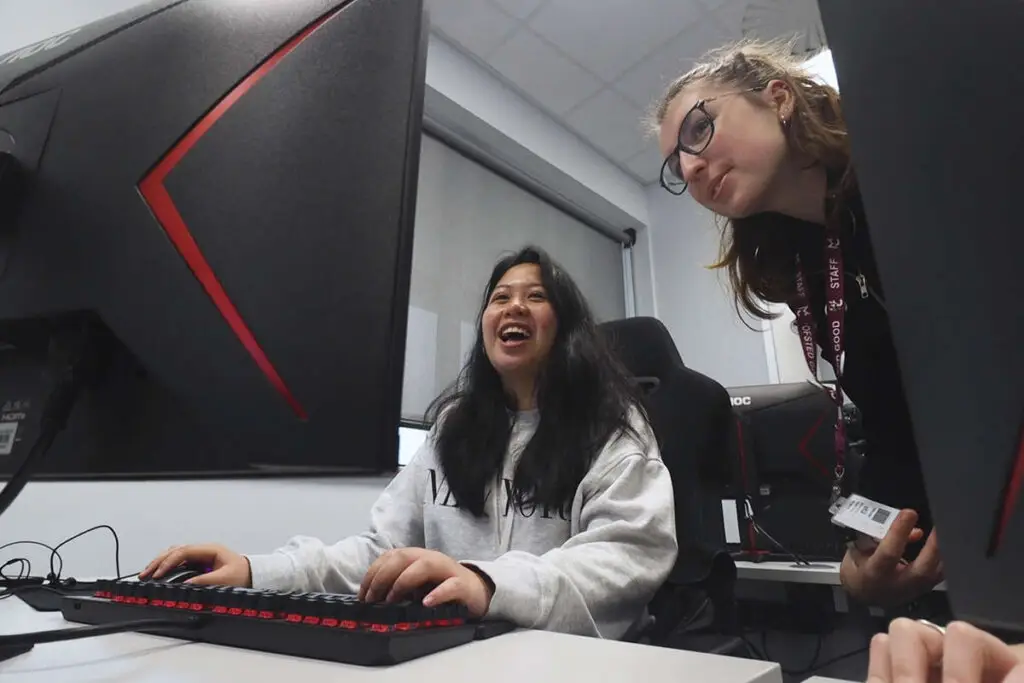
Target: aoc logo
(36, 48)
(739, 400)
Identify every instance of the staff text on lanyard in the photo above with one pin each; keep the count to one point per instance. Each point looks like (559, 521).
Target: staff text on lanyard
(835, 317)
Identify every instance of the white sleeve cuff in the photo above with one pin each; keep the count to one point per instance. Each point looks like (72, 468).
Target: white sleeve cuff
(274, 571)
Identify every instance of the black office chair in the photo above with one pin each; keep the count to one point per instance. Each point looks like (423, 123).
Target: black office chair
(692, 419)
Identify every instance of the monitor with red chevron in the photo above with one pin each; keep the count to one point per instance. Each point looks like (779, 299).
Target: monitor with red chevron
(206, 215)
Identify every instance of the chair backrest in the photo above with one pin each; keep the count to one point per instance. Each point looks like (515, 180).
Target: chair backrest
(691, 415)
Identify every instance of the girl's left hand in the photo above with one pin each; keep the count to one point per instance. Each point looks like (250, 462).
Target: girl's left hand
(398, 573)
(914, 652)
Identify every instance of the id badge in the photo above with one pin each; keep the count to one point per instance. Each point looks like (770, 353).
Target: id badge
(864, 515)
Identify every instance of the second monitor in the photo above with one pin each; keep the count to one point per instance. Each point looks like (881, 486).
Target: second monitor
(784, 463)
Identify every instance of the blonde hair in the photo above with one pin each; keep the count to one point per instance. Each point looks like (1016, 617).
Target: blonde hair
(758, 261)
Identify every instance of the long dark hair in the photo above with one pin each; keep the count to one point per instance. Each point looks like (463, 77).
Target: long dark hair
(584, 397)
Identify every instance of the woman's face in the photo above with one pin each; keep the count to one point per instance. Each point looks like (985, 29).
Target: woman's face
(735, 173)
(519, 323)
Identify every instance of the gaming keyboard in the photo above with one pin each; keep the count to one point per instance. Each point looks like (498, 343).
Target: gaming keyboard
(325, 626)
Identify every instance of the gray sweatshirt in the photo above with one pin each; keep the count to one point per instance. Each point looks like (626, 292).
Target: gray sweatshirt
(588, 570)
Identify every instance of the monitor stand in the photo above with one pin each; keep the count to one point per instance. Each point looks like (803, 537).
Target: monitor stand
(8, 651)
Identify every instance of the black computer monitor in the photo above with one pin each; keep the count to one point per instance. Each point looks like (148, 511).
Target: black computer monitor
(791, 431)
(932, 94)
(784, 465)
(220, 197)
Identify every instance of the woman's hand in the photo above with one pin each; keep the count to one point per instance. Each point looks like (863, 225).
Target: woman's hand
(229, 568)
(876, 573)
(399, 573)
(913, 652)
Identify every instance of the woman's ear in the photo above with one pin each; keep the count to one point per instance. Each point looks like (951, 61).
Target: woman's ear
(780, 97)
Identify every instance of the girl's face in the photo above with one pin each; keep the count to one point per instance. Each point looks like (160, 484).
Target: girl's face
(519, 324)
(736, 172)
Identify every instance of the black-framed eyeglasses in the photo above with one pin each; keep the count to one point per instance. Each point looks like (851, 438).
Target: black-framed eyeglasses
(695, 133)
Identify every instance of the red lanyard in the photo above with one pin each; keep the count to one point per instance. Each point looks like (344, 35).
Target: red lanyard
(835, 314)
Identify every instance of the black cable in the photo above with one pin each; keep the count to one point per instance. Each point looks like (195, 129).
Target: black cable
(25, 573)
(47, 435)
(797, 672)
(35, 543)
(834, 660)
(798, 559)
(748, 510)
(813, 668)
(685, 623)
(12, 583)
(73, 361)
(696, 615)
(752, 650)
(26, 568)
(98, 527)
(56, 568)
(60, 634)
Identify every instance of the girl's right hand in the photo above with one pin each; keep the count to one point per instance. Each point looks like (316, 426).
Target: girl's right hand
(229, 568)
(876, 573)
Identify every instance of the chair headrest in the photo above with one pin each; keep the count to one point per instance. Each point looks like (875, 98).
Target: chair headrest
(643, 345)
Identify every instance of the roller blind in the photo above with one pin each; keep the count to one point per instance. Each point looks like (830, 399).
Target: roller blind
(467, 217)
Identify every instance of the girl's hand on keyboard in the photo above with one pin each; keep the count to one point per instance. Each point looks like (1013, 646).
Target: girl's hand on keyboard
(398, 574)
(228, 568)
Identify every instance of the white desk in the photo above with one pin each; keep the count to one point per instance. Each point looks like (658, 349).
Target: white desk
(819, 679)
(820, 573)
(536, 656)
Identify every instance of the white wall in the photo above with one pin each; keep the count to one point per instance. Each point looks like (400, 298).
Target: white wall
(247, 515)
(23, 22)
(693, 301)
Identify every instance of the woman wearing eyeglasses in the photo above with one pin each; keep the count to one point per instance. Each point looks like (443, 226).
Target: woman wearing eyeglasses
(761, 144)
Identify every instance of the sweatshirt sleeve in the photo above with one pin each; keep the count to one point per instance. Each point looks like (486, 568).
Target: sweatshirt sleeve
(600, 580)
(308, 564)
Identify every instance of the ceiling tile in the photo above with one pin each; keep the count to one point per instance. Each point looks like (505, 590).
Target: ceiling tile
(478, 27)
(609, 36)
(611, 123)
(777, 18)
(646, 166)
(715, 4)
(520, 9)
(730, 17)
(544, 74)
(647, 80)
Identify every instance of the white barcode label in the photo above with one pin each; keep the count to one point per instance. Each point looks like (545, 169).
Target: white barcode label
(8, 430)
(866, 516)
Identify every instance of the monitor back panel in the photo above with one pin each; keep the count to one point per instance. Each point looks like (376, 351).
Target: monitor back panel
(933, 97)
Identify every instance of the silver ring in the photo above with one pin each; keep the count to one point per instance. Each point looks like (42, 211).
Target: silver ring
(936, 627)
